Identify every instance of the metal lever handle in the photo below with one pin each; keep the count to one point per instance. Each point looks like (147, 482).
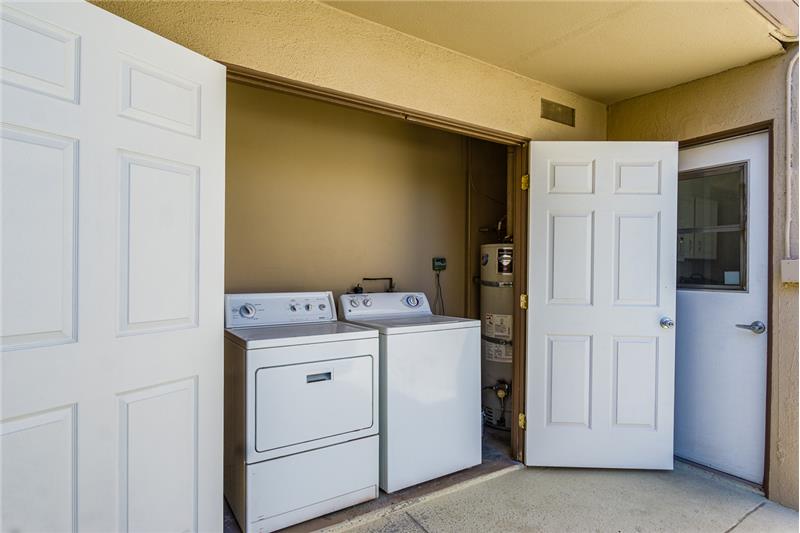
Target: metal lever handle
(756, 327)
(666, 322)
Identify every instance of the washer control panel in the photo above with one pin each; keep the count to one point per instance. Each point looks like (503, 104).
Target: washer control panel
(271, 309)
(384, 304)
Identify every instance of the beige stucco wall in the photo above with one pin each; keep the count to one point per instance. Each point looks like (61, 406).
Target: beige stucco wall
(740, 97)
(319, 196)
(315, 43)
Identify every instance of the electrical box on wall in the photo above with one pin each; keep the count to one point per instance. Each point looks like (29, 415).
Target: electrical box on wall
(439, 264)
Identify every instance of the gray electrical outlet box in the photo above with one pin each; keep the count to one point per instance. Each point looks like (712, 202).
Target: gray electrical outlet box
(439, 264)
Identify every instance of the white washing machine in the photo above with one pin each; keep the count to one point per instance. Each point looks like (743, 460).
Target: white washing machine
(430, 386)
(301, 409)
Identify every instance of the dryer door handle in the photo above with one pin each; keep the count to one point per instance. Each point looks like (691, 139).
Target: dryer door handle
(322, 376)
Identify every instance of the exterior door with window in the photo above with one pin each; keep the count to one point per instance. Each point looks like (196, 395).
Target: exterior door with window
(722, 268)
(113, 173)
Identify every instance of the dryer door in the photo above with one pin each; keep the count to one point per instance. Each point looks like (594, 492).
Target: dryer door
(322, 399)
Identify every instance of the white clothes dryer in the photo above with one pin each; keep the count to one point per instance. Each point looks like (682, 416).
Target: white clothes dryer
(301, 409)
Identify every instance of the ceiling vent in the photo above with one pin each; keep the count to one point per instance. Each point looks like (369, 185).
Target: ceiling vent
(558, 113)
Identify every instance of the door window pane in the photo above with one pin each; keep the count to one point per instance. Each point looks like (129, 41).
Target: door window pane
(712, 228)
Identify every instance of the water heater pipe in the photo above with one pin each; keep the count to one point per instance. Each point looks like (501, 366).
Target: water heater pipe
(787, 231)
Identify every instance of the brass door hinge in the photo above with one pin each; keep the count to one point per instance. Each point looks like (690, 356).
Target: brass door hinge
(526, 182)
(523, 301)
(522, 421)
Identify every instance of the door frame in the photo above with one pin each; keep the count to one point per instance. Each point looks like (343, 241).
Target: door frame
(517, 171)
(758, 127)
(519, 224)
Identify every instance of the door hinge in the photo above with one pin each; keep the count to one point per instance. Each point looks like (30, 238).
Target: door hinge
(522, 421)
(523, 301)
(526, 182)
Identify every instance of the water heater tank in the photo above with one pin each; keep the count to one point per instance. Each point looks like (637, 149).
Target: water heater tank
(497, 301)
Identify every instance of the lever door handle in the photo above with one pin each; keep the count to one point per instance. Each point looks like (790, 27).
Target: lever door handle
(756, 327)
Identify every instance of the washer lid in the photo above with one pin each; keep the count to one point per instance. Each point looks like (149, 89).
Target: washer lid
(389, 325)
(294, 334)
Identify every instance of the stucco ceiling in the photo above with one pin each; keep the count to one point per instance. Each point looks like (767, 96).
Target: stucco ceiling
(608, 51)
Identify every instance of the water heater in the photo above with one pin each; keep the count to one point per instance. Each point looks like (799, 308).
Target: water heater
(497, 301)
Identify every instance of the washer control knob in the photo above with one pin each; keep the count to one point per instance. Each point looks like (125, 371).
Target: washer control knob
(353, 302)
(366, 302)
(308, 307)
(322, 307)
(293, 308)
(412, 301)
(247, 311)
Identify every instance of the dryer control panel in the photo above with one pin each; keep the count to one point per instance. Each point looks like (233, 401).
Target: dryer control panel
(276, 308)
(377, 304)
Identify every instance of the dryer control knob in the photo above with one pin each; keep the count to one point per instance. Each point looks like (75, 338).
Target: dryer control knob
(366, 302)
(247, 311)
(412, 301)
(353, 302)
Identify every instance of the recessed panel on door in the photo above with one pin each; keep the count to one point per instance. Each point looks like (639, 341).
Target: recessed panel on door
(637, 177)
(311, 401)
(39, 238)
(39, 56)
(571, 255)
(159, 98)
(635, 382)
(158, 458)
(39, 458)
(571, 177)
(636, 259)
(159, 235)
(569, 362)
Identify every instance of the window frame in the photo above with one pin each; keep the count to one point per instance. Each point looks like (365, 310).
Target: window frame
(743, 167)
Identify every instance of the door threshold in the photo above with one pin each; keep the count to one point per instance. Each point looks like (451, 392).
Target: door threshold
(741, 482)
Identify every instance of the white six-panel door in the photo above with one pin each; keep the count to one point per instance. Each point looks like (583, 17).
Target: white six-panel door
(600, 367)
(112, 275)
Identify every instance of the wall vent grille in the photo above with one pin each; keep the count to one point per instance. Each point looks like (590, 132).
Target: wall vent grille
(558, 113)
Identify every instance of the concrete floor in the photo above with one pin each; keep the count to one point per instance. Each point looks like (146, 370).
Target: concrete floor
(496, 458)
(687, 499)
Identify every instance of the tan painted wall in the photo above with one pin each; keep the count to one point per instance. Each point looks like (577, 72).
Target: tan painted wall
(739, 97)
(318, 44)
(319, 196)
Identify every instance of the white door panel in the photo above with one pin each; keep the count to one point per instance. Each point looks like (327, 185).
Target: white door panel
(602, 275)
(721, 370)
(112, 280)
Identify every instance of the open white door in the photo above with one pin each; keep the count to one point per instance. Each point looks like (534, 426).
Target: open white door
(723, 288)
(601, 349)
(112, 275)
